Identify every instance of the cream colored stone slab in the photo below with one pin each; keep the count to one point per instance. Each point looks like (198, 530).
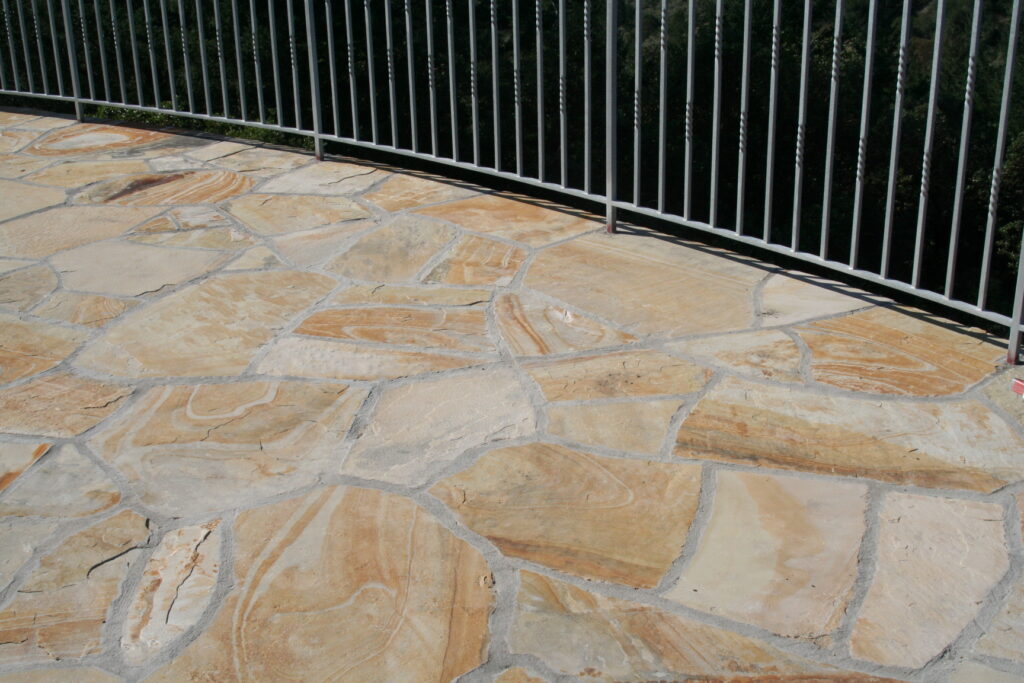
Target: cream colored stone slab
(787, 300)
(15, 458)
(79, 173)
(599, 518)
(401, 191)
(261, 162)
(157, 225)
(91, 138)
(1000, 392)
(30, 347)
(887, 351)
(648, 285)
(255, 259)
(519, 675)
(176, 587)
(60, 609)
(327, 178)
(270, 214)
(313, 247)
(193, 450)
(46, 233)
(9, 264)
(417, 428)
(606, 639)
(323, 359)
(128, 269)
(175, 162)
(213, 328)
(937, 561)
(63, 485)
(10, 119)
(515, 220)
(46, 123)
(345, 584)
(411, 296)
(20, 538)
(60, 405)
(534, 327)
(636, 426)
(13, 140)
(155, 189)
(198, 218)
(777, 552)
(395, 252)
(61, 675)
(768, 354)
(91, 310)
(478, 260)
(225, 239)
(1005, 635)
(16, 166)
(616, 375)
(217, 150)
(19, 198)
(974, 672)
(453, 329)
(958, 444)
(23, 289)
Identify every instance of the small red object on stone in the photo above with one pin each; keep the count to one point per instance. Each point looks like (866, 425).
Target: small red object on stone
(1018, 386)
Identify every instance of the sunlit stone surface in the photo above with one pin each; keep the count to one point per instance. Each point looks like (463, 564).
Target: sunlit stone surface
(270, 214)
(63, 484)
(19, 198)
(61, 404)
(395, 252)
(28, 348)
(534, 327)
(403, 191)
(519, 221)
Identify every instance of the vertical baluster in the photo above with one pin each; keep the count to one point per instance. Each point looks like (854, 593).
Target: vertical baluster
(118, 56)
(1017, 316)
(894, 149)
(773, 106)
(716, 116)
(741, 159)
(275, 60)
(517, 87)
(587, 99)
(495, 93)
(218, 28)
(432, 76)
(473, 85)
(392, 96)
(39, 46)
(691, 32)
(136, 63)
(453, 106)
(314, 81)
(293, 52)
(801, 128)
(69, 38)
(238, 60)
(611, 87)
(833, 104)
(24, 46)
(638, 68)
(662, 101)
(203, 61)
(370, 70)
(3, 65)
(167, 54)
(540, 89)
(16, 72)
(256, 63)
(184, 54)
(55, 45)
(332, 66)
(151, 48)
(411, 67)
(862, 141)
(563, 131)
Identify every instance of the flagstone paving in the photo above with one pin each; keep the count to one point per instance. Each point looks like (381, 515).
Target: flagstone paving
(268, 418)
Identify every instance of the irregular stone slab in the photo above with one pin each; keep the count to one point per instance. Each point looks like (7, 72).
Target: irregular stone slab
(213, 328)
(175, 162)
(78, 173)
(61, 675)
(177, 586)
(9, 264)
(322, 359)
(534, 327)
(91, 310)
(411, 296)
(128, 269)
(182, 187)
(1000, 393)
(519, 675)
(13, 140)
(255, 259)
(84, 139)
(270, 214)
(217, 150)
(402, 191)
(15, 458)
(1005, 635)
(60, 405)
(886, 351)
(20, 539)
(787, 300)
(47, 123)
(43, 234)
(20, 198)
(522, 221)
(636, 426)
(327, 178)
(60, 609)
(417, 428)
(574, 631)
(769, 354)
(458, 329)
(28, 348)
(194, 450)
(974, 672)
(617, 375)
(261, 162)
(777, 552)
(599, 518)
(416, 597)
(225, 239)
(157, 225)
(395, 252)
(64, 485)
(947, 445)
(16, 166)
(23, 289)
(479, 261)
(198, 217)
(648, 286)
(9, 119)
(938, 558)
(313, 247)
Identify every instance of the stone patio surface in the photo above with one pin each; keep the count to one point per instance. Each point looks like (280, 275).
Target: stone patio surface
(265, 418)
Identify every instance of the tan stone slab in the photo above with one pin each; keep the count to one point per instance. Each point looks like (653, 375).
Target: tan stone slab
(777, 552)
(326, 178)
(787, 300)
(176, 587)
(16, 166)
(270, 214)
(411, 296)
(648, 285)
(636, 426)
(416, 598)
(30, 347)
(999, 391)
(9, 264)
(937, 561)
(886, 351)
(478, 260)
(129, 269)
(15, 458)
(22, 289)
(519, 675)
(60, 609)
(255, 259)
(20, 539)
(1004, 637)
(13, 140)
(224, 239)
(534, 327)
(958, 444)
(617, 375)
(456, 329)
(512, 219)
(402, 191)
(91, 138)
(155, 189)
(47, 123)
(46, 233)
(313, 247)
(61, 675)
(768, 354)
(63, 485)
(158, 225)
(60, 405)
(193, 450)
(20, 198)
(261, 162)
(10, 119)
(599, 518)
(80, 173)
(217, 150)
(198, 218)
(975, 672)
(212, 328)
(323, 359)
(574, 631)
(418, 428)
(395, 252)
(91, 310)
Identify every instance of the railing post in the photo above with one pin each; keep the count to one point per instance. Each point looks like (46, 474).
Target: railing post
(69, 35)
(611, 112)
(1017, 319)
(314, 81)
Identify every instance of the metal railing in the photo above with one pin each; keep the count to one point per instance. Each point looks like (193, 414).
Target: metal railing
(435, 81)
